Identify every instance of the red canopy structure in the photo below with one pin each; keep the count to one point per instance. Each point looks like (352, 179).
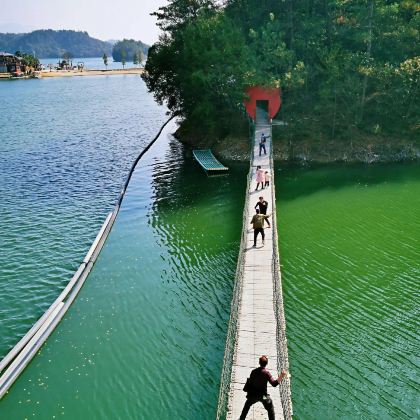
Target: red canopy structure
(266, 98)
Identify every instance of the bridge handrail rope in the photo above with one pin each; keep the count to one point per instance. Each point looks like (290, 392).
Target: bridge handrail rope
(282, 352)
(236, 295)
(22, 353)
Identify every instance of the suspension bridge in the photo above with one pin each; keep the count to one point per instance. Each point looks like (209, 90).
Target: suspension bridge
(257, 323)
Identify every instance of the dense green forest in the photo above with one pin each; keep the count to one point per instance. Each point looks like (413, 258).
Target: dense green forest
(345, 68)
(52, 44)
(129, 48)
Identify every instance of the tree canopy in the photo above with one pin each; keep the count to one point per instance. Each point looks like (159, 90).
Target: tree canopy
(28, 59)
(342, 66)
(130, 48)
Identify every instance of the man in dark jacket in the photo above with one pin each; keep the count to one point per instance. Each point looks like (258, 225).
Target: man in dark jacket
(262, 205)
(257, 388)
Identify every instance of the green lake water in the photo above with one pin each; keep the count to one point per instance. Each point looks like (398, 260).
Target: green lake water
(145, 337)
(350, 250)
(64, 157)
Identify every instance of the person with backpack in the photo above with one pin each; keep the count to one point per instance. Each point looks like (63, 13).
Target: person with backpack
(256, 388)
(263, 140)
(257, 223)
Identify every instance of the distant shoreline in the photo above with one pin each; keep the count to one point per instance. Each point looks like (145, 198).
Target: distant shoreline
(71, 73)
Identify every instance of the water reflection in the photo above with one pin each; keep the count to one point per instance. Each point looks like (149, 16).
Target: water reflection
(197, 220)
(145, 338)
(61, 171)
(302, 181)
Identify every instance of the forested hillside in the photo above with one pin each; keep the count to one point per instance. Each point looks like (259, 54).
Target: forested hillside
(128, 48)
(344, 67)
(50, 44)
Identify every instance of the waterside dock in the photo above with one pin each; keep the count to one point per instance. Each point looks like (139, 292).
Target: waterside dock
(208, 162)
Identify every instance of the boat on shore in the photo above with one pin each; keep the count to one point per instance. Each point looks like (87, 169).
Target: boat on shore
(15, 76)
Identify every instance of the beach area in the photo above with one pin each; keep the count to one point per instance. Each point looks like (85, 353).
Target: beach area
(71, 73)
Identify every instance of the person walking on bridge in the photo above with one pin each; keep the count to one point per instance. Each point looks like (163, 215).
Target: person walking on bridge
(263, 141)
(257, 223)
(262, 205)
(259, 177)
(256, 388)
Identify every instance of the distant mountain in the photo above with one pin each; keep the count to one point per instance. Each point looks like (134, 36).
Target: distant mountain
(50, 44)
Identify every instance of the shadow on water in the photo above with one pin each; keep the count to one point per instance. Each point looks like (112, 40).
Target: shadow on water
(298, 181)
(349, 241)
(197, 222)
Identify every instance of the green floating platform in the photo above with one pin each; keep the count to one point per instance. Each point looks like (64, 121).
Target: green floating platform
(208, 162)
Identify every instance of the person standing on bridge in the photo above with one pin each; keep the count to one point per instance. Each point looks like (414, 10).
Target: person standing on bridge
(259, 177)
(263, 141)
(267, 178)
(262, 205)
(258, 225)
(256, 388)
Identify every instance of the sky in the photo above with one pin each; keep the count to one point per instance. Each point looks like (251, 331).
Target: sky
(102, 19)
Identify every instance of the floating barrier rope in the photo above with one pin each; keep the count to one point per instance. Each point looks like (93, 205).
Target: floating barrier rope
(22, 353)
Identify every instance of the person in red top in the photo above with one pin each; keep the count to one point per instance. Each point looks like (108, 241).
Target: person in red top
(257, 388)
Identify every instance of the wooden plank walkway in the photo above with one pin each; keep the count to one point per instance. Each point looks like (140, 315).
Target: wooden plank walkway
(257, 321)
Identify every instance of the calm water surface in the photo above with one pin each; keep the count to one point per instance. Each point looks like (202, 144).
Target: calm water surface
(145, 338)
(350, 242)
(66, 147)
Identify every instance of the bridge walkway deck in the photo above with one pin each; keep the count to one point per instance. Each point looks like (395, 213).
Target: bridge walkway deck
(257, 320)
